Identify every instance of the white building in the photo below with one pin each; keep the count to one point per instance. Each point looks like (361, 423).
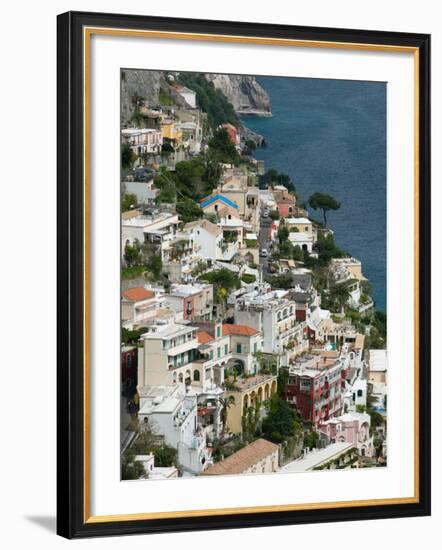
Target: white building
(144, 190)
(208, 237)
(305, 241)
(138, 305)
(192, 136)
(143, 140)
(171, 412)
(156, 472)
(155, 228)
(272, 313)
(188, 95)
(349, 271)
(377, 378)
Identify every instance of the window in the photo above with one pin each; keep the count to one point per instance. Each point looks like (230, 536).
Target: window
(219, 353)
(196, 376)
(211, 354)
(359, 393)
(238, 348)
(218, 332)
(226, 350)
(255, 347)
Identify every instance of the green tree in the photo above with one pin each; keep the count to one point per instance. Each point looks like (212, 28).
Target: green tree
(131, 337)
(327, 249)
(222, 148)
(281, 420)
(131, 468)
(165, 456)
(297, 253)
(339, 294)
(274, 215)
(128, 201)
(222, 278)
(271, 175)
(324, 202)
(128, 157)
(225, 404)
(283, 281)
(199, 268)
(248, 278)
(188, 210)
(132, 254)
(155, 266)
(310, 439)
(210, 100)
(282, 381)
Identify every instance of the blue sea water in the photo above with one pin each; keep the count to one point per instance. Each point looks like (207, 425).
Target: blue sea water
(330, 136)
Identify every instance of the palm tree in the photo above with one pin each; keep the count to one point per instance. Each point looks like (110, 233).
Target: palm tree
(225, 404)
(222, 297)
(339, 295)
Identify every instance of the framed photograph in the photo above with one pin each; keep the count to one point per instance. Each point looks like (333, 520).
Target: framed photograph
(243, 274)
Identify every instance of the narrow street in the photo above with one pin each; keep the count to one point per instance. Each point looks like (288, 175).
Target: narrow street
(264, 242)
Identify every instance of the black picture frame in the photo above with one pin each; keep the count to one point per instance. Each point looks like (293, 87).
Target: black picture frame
(71, 520)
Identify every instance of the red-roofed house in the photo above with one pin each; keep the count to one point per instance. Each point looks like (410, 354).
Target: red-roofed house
(138, 304)
(245, 342)
(203, 337)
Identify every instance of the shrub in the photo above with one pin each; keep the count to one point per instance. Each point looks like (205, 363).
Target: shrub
(248, 278)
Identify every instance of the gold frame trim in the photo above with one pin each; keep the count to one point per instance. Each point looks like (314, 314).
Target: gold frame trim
(87, 34)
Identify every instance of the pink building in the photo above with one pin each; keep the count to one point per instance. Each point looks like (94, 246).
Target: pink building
(350, 428)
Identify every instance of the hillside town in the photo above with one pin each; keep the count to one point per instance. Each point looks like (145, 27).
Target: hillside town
(250, 342)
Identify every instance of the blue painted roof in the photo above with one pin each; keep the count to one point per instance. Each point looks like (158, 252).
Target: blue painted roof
(216, 197)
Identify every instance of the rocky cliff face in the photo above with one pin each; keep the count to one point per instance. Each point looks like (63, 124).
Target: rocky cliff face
(145, 84)
(244, 92)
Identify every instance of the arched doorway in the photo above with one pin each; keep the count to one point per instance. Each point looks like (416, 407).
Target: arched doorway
(238, 367)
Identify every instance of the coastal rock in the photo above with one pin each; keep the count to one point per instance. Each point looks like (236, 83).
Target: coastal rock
(245, 93)
(249, 135)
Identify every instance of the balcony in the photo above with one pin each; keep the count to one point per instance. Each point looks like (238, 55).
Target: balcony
(182, 348)
(246, 384)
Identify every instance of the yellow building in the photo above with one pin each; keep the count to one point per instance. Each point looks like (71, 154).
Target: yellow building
(171, 132)
(247, 393)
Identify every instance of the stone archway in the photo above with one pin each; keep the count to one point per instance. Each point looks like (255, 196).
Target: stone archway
(266, 392)
(237, 367)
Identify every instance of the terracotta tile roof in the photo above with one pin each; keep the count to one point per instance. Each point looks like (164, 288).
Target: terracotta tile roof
(243, 459)
(228, 210)
(205, 224)
(239, 330)
(211, 228)
(203, 337)
(137, 293)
